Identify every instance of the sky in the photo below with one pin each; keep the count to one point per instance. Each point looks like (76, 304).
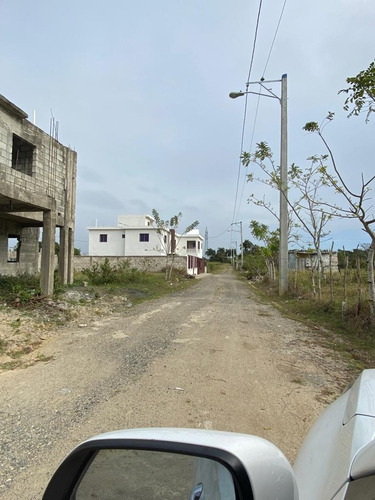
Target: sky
(140, 91)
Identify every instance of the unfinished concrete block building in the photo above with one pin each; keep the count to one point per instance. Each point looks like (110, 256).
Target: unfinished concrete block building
(37, 190)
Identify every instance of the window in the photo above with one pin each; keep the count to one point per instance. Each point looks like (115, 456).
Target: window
(144, 237)
(123, 236)
(103, 238)
(165, 239)
(199, 245)
(22, 155)
(190, 245)
(14, 244)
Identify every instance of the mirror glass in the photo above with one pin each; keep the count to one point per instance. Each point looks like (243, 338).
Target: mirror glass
(142, 474)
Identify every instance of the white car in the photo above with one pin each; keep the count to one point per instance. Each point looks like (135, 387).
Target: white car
(336, 461)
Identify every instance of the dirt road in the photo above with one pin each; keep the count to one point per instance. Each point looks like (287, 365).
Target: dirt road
(209, 357)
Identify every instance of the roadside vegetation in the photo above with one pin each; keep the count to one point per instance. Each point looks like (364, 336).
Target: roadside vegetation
(27, 318)
(341, 315)
(340, 304)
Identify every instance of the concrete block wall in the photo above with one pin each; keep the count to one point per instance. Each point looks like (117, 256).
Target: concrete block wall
(147, 264)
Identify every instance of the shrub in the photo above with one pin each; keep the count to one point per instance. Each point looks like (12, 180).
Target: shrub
(23, 285)
(105, 274)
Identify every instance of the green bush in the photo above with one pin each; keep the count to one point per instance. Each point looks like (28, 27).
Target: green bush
(105, 274)
(23, 285)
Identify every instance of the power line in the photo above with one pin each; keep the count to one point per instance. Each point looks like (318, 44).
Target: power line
(218, 236)
(274, 38)
(245, 109)
(257, 107)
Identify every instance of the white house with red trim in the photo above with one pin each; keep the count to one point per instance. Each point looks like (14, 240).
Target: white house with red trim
(137, 236)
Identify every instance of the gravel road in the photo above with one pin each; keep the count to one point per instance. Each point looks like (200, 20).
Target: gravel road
(211, 356)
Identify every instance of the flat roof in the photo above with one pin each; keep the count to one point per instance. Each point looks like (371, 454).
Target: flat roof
(12, 108)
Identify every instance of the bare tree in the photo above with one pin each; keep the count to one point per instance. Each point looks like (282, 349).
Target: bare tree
(357, 203)
(306, 209)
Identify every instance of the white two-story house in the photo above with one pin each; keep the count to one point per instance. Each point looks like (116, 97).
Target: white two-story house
(137, 236)
(134, 236)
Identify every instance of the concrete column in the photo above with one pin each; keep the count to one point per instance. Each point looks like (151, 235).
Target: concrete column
(3, 250)
(63, 261)
(29, 249)
(66, 257)
(48, 252)
(71, 255)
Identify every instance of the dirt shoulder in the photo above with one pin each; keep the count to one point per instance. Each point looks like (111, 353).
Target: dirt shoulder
(211, 356)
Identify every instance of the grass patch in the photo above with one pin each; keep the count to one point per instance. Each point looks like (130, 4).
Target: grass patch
(217, 267)
(150, 286)
(10, 365)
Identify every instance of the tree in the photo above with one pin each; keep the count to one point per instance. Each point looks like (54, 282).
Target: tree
(361, 93)
(306, 209)
(357, 203)
(249, 247)
(220, 255)
(169, 244)
(271, 239)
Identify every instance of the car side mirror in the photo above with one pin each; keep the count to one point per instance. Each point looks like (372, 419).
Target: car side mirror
(166, 464)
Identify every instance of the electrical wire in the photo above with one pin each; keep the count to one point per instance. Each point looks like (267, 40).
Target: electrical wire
(245, 109)
(274, 38)
(257, 107)
(218, 236)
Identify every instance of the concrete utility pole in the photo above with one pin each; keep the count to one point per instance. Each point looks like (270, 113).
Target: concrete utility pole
(283, 250)
(239, 224)
(283, 216)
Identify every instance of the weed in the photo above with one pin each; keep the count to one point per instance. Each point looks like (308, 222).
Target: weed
(10, 365)
(42, 357)
(23, 287)
(16, 323)
(17, 354)
(3, 345)
(297, 381)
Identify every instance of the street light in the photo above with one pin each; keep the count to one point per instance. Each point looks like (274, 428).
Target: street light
(283, 252)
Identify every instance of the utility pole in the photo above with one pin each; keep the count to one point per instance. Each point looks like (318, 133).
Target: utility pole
(241, 246)
(283, 250)
(205, 242)
(239, 224)
(283, 222)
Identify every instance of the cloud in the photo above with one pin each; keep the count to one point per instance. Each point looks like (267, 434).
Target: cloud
(100, 200)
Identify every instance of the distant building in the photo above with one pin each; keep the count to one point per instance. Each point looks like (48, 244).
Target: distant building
(137, 236)
(302, 260)
(37, 190)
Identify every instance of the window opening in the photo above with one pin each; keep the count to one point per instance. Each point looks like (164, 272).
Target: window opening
(22, 155)
(14, 245)
(144, 237)
(103, 238)
(190, 245)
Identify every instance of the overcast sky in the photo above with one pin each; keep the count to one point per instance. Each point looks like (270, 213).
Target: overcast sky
(140, 90)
